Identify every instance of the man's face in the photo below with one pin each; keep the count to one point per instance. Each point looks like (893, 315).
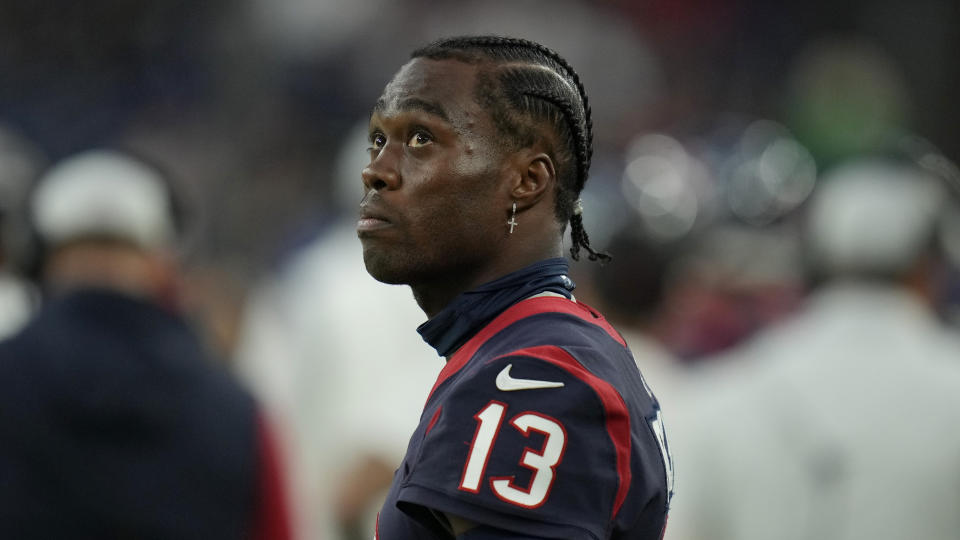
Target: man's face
(435, 202)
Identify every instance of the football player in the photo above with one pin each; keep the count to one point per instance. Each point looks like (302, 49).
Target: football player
(540, 424)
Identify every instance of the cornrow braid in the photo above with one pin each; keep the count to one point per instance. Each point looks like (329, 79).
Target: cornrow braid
(531, 86)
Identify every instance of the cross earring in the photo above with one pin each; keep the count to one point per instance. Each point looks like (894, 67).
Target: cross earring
(512, 222)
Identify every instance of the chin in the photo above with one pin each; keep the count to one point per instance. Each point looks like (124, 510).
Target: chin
(385, 268)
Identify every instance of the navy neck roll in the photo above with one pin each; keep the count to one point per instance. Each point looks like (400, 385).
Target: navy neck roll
(472, 310)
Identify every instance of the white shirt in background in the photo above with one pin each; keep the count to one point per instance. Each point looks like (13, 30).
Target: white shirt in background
(839, 424)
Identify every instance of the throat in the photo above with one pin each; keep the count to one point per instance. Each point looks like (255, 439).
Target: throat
(454, 317)
(432, 298)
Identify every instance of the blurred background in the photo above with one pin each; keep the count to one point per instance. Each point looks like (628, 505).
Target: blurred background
(714, 123)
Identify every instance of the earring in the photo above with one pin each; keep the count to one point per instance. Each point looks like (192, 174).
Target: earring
(578, 207)
(512, 222)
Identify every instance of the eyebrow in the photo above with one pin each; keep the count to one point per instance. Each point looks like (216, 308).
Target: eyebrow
(415, 104)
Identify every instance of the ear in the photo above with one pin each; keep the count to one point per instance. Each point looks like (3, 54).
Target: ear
(536, 179)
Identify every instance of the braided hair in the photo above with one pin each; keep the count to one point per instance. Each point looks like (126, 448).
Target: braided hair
(530, 86)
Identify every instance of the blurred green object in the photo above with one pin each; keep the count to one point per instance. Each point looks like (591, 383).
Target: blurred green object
(844, 98)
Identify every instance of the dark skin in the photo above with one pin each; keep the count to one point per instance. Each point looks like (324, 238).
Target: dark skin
(440, 186)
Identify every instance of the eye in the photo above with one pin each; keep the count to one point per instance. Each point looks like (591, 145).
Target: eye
(418, 139)
(377, 140)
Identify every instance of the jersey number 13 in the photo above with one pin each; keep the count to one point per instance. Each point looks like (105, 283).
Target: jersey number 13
(542, 462)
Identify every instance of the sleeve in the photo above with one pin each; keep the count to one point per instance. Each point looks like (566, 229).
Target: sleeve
(489, 533)
(530, 443)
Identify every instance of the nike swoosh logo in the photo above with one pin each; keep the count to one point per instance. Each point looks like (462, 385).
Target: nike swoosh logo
(506, 383)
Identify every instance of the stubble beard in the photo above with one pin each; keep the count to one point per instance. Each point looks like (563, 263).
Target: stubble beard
(389, 268)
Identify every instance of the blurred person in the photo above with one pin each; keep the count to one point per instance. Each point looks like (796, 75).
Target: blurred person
(840, 422)
(632, 293)
(540, 424)
(19, 163)
(345, 401)
(114, 420)
(731, 281)
(17, 297)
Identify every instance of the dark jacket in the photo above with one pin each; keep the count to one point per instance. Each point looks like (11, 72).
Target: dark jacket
(114, 423)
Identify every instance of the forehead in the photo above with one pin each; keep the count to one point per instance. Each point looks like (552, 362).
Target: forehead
(440, 87)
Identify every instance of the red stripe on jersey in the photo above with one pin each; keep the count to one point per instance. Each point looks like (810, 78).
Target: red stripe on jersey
(516, 312)
(433, 420)
(618, 418)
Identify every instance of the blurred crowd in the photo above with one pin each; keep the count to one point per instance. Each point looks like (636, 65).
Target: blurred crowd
(777, 186)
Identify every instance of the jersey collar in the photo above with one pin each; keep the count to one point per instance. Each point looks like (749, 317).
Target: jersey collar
(470, 311)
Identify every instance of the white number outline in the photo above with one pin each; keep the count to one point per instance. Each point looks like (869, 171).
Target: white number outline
(486, 434)
(544, 472)
(543, 463)
(660, 433)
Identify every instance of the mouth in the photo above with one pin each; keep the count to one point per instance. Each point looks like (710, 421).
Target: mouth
(371, 220)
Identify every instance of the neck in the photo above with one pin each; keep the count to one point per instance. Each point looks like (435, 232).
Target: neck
(128, 271)
(466, 314)
(434, 295)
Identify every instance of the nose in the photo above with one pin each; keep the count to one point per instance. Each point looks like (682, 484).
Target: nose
(381, 172)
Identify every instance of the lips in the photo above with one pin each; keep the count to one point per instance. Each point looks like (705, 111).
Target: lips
(372, 219)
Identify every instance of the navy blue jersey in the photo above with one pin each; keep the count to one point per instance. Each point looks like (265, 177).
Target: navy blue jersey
(539, 426)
